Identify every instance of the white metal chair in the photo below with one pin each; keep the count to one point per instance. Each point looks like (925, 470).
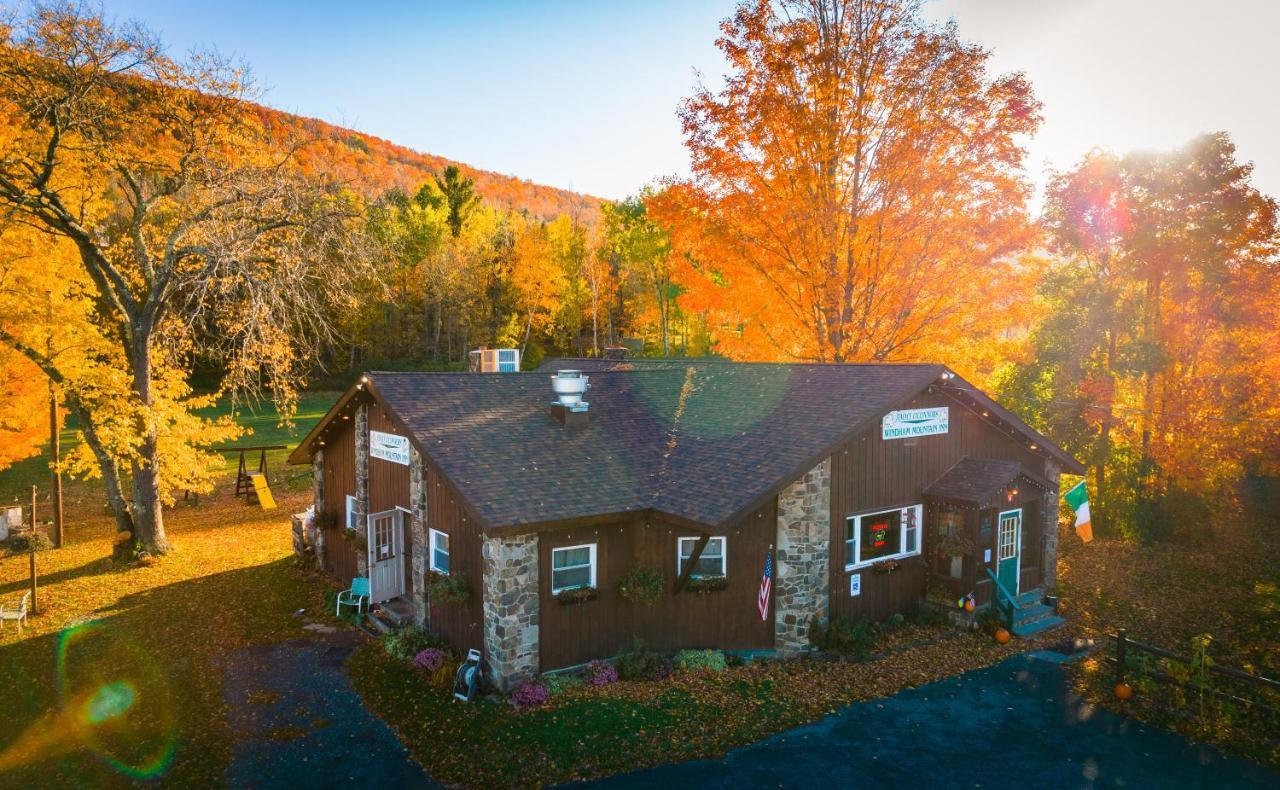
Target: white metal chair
(16, 612)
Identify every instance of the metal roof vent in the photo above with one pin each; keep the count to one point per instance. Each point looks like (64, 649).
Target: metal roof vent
(569, 408)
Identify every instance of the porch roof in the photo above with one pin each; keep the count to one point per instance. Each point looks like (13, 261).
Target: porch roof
(979, 481)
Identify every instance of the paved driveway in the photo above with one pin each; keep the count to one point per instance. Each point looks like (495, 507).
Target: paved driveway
(1015, 724)
(299, 723)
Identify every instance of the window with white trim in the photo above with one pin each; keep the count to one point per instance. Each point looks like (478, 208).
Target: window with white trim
(712, 561)
(573, 567)
(884, 535)
(352, 517)
(508, 360)
(439, 551)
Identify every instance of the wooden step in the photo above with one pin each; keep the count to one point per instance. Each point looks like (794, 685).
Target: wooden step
(1031, 613)
(1025, 630)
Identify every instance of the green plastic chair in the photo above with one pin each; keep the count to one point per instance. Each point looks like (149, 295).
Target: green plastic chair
(357, 596)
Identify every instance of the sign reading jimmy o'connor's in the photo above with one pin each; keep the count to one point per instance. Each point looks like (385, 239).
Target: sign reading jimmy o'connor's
(389, 447)
(914, 422)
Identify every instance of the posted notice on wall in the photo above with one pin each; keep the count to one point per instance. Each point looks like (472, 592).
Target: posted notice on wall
(909, 423)
(389, 447)
(855, 585)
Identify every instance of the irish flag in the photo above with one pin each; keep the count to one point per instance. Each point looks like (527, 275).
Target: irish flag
(1078, 499)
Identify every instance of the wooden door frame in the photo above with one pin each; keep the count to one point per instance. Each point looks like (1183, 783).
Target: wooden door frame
(1017, 547)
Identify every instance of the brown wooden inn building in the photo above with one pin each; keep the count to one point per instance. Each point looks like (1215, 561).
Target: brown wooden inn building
(869, 480)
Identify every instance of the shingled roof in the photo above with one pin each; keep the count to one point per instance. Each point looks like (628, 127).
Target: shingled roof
(703, 443)
(979, 481)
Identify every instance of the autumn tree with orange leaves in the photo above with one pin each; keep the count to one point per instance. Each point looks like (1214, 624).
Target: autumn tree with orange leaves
(191, 234)
(857, 189)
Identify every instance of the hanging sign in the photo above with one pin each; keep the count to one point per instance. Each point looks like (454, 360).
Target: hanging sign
(389, 447)
(855, 585)
(908, 423)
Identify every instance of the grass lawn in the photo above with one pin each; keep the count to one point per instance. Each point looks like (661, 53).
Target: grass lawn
(1225, 583)
(589, 732)
(262, 419)
(137, 648)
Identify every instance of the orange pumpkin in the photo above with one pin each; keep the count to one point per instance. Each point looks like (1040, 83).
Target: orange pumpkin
(969, 605)
(1002, 636)
(1124, 691)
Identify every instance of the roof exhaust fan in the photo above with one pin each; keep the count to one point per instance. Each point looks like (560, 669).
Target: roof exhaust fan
(569, 409)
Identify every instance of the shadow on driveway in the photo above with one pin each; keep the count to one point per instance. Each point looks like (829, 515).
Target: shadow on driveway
(1015, 724)
(299, 723)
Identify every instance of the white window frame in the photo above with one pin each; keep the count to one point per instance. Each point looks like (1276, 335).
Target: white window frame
(591, 564)
(433, 546)
(853, 546)
(724, 555)
(353, 511)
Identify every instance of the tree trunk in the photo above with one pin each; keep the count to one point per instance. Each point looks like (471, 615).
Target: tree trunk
(124, 543)
(148, 515)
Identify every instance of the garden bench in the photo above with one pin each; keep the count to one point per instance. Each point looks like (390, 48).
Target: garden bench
(16, 612)
(357, 596)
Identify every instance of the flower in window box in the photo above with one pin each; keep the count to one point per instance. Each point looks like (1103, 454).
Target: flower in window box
(886, 566)
(707, 584)
(576, 595)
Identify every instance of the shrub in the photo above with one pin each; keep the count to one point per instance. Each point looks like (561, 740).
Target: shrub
(846, 637)
(637, 663)
(447, 589)
(407, 644)
(21, 542)
(530, 694)
(601, 673)
(559, 684)
(700, 661)
(437, 664)
(643, 585)
(576, 595)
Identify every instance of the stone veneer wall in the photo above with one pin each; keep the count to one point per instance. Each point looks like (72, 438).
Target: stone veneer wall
(315, 535)
(1049, 557)
(511, 608)
(802, 585)
(362, 482)
(418, 529)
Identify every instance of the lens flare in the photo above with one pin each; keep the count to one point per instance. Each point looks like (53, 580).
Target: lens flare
(113, 702)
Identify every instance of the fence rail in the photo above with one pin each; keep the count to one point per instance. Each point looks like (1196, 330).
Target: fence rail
(1124, 644)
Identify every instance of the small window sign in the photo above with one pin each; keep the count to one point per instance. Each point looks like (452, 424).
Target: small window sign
(986, 555)
(855, 585)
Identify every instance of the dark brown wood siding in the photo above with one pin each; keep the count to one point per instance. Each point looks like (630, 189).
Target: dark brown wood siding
(869, 473)
(461, 624)
(389, 487)
(339, 481)
(727, 619)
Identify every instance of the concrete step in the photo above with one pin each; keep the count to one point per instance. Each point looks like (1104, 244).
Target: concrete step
(1025, 630)
(398, 611)
(380, 623)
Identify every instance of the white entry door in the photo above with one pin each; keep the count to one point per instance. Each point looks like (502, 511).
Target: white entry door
(386, 555)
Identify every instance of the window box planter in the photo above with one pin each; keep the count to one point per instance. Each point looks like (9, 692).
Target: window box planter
(576, 595)
(887, 566)
(707, 584)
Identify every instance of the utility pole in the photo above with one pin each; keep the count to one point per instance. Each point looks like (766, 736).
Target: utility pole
(55, 448)
(32, 545)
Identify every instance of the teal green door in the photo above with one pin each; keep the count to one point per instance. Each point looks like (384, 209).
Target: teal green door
(1007, 559)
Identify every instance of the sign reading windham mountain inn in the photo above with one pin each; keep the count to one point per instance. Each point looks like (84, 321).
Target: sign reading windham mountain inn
(909, 423)
(389, 447)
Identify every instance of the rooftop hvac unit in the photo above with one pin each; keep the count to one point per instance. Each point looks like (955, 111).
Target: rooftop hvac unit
(495, 360)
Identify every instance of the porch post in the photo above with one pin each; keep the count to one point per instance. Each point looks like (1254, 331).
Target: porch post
(511, 607)
(316, 534)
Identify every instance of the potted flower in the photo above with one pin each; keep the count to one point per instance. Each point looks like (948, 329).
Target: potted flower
(642, 585)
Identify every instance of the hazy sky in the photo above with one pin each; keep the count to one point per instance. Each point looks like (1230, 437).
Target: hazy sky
(583, 94)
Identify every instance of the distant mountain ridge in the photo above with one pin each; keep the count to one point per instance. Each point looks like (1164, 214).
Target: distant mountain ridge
(378, 164)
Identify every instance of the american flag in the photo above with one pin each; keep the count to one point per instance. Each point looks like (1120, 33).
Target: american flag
(766, 583)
